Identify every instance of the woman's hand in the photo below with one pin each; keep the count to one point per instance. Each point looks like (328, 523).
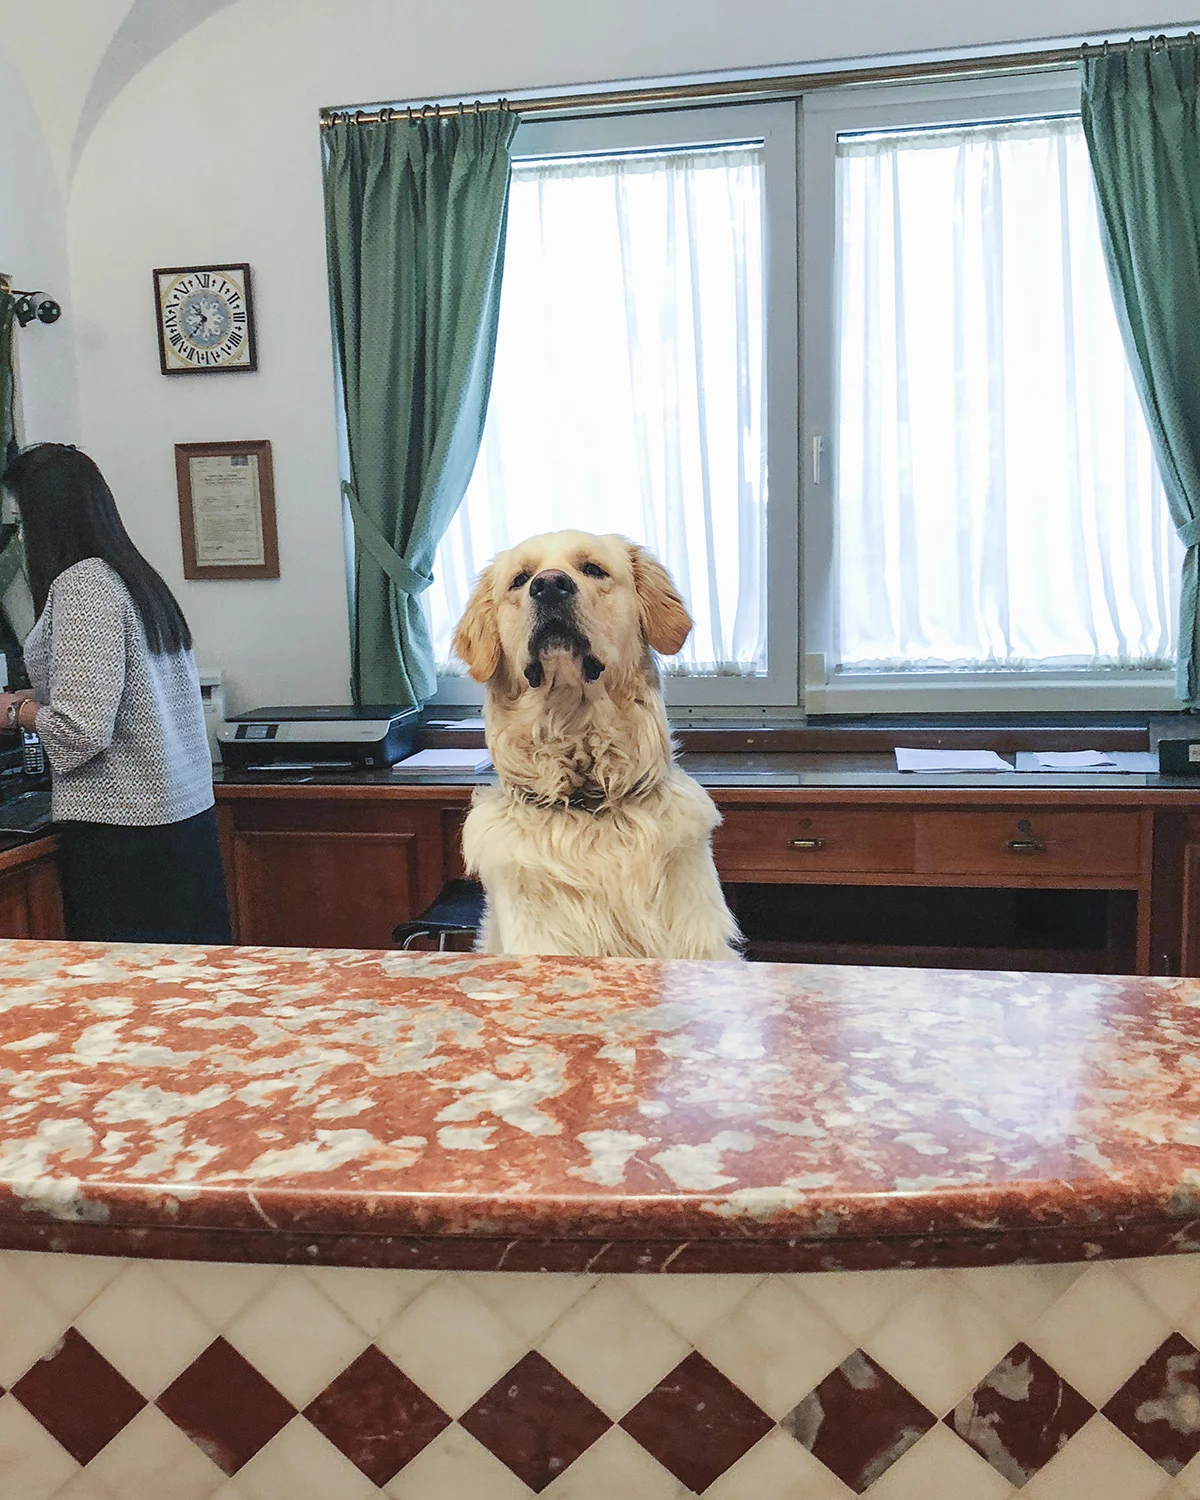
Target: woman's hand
(14, 714)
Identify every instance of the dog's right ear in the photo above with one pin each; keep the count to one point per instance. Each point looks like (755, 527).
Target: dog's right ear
(477, 639)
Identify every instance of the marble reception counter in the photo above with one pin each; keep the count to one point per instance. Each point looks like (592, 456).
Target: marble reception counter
(263, 1215)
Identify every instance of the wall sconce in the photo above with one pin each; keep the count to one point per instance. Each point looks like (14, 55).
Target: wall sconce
(30, 305)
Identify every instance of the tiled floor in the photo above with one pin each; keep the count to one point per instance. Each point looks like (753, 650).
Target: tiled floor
(185, 1381)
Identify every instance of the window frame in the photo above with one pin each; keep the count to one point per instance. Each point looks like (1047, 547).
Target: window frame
(824, 116)
(775, 125)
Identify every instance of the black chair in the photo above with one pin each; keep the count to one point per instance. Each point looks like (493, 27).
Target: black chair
(456, 909)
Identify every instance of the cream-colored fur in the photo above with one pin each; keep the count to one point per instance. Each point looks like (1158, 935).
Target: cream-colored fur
(593, 842)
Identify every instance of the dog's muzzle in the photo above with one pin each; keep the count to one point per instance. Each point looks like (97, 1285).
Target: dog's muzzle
(555, 629)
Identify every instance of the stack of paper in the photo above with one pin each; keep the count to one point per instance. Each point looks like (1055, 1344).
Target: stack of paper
(1144, 762)
(429, 762)
(950, 760)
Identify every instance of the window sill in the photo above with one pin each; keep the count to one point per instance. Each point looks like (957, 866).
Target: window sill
(1008, 693)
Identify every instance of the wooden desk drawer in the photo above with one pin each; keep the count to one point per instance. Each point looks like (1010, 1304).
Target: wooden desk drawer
(1031, 843)
(816, 838)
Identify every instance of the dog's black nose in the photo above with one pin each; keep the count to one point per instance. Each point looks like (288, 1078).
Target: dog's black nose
(552, 586)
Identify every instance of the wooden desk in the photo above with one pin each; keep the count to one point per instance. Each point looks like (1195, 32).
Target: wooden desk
(339, 863)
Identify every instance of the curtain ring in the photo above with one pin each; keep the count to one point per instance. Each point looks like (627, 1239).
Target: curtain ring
(358, 114)
(410, 114)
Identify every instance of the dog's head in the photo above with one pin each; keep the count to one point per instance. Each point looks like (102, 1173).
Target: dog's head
(569, 607)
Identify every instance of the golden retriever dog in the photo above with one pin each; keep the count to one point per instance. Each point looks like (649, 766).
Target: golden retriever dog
(594, 841)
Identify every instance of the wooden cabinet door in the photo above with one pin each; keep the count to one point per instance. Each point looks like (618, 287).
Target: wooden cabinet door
(1190, 936)
(31, 900)
(14, 905)
(321, 889)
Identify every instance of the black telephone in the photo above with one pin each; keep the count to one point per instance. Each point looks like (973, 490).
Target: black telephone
(33, 756)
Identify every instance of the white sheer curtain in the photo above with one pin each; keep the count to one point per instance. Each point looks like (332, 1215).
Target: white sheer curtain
(998, 505)
(629, 385)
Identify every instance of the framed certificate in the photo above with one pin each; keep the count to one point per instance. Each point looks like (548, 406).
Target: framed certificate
(227, 510)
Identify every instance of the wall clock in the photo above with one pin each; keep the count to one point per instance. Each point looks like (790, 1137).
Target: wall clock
(205, 319)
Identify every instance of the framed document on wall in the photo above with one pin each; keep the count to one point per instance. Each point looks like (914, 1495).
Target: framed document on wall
(227, 510)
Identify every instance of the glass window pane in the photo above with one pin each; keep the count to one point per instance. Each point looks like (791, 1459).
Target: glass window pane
(629, 385)
(998, 505)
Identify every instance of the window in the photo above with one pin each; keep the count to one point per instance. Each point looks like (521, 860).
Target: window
(990, 513)
(983, 523)
(645, 379)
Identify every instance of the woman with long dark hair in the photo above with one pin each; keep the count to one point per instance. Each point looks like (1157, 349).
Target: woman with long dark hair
(116, 702)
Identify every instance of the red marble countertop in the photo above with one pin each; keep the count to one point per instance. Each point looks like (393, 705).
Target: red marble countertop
(447, 1110)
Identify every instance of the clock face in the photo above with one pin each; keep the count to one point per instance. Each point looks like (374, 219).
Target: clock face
(205, 319)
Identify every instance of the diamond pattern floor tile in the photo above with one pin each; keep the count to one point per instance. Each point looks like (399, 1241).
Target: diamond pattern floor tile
(29, 1326)
(696, 1423)
(1099, 1330)
(78, 1397)
(939, 1343)
(691, 1304)
(940, 1466)
(298, 1464)
(858, 1421)
(613, 1347)
(858, 1301)
(218, 1292)
(1099, 1463)
(32, 1465)
(152, 1458)
(451, 1343)
(535, 1421)
(530, 1303)
(617, 1468)
(777, 1468)
(456, 1467)
(1019, 1415)
(376, 1416)
(371, 1297)
(322, 1340)
(1158, 1408)
(1020, 1295)
(775, 1346)
(68, 1282)
(144, 1328)
(1171, 1282)
(225, 1406)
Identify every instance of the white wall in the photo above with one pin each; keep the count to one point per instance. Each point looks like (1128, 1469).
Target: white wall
(33, 250)
(211, 154)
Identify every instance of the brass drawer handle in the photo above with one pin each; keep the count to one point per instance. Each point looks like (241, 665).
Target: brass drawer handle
(1026, 846)
(808, 843)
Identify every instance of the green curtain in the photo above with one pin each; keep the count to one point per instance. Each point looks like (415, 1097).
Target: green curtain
(1140, 117)
(415, 215)
(12, 559)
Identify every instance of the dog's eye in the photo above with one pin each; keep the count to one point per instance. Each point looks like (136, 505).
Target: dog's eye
(593, 570)
(519, 581)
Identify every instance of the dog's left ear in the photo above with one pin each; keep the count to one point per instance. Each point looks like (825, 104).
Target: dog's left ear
(477, 638)
(666, 623)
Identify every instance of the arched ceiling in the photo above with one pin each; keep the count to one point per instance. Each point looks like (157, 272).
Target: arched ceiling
(76, 56)
(149, 28)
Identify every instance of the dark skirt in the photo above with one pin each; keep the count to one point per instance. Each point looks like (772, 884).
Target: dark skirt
(161, 884)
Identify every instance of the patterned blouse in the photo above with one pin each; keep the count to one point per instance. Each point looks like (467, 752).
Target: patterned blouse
(123, 728)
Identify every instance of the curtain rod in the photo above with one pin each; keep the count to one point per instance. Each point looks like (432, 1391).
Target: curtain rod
(757, 90)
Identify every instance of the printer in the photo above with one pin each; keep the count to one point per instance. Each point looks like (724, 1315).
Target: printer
(333, 738)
